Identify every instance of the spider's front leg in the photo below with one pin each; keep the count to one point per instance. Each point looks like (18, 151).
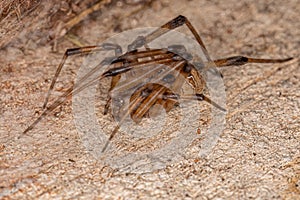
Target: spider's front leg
(80, 51)
(81, 85)
(171, 25)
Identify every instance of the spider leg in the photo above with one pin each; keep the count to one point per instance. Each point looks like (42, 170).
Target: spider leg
(198, 97)
(242, 60)
(82, 85)
(114, 82)
(79, 51)
(172, 24)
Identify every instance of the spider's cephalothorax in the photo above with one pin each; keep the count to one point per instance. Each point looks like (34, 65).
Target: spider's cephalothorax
(167, 68)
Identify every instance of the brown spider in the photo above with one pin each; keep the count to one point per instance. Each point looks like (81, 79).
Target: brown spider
(147, 95)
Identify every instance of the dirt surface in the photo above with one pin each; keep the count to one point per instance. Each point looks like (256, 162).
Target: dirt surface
(257, 156)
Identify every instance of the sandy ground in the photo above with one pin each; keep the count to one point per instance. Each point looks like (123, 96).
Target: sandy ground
(257, 156)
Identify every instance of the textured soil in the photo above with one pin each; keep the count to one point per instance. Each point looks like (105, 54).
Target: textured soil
(258, 154)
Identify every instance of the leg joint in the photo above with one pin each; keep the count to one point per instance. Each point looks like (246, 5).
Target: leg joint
(176, 22)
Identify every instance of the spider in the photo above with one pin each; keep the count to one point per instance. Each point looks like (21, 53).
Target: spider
(166, 92)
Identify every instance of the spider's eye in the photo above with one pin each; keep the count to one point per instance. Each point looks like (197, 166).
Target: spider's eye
(169, 78)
